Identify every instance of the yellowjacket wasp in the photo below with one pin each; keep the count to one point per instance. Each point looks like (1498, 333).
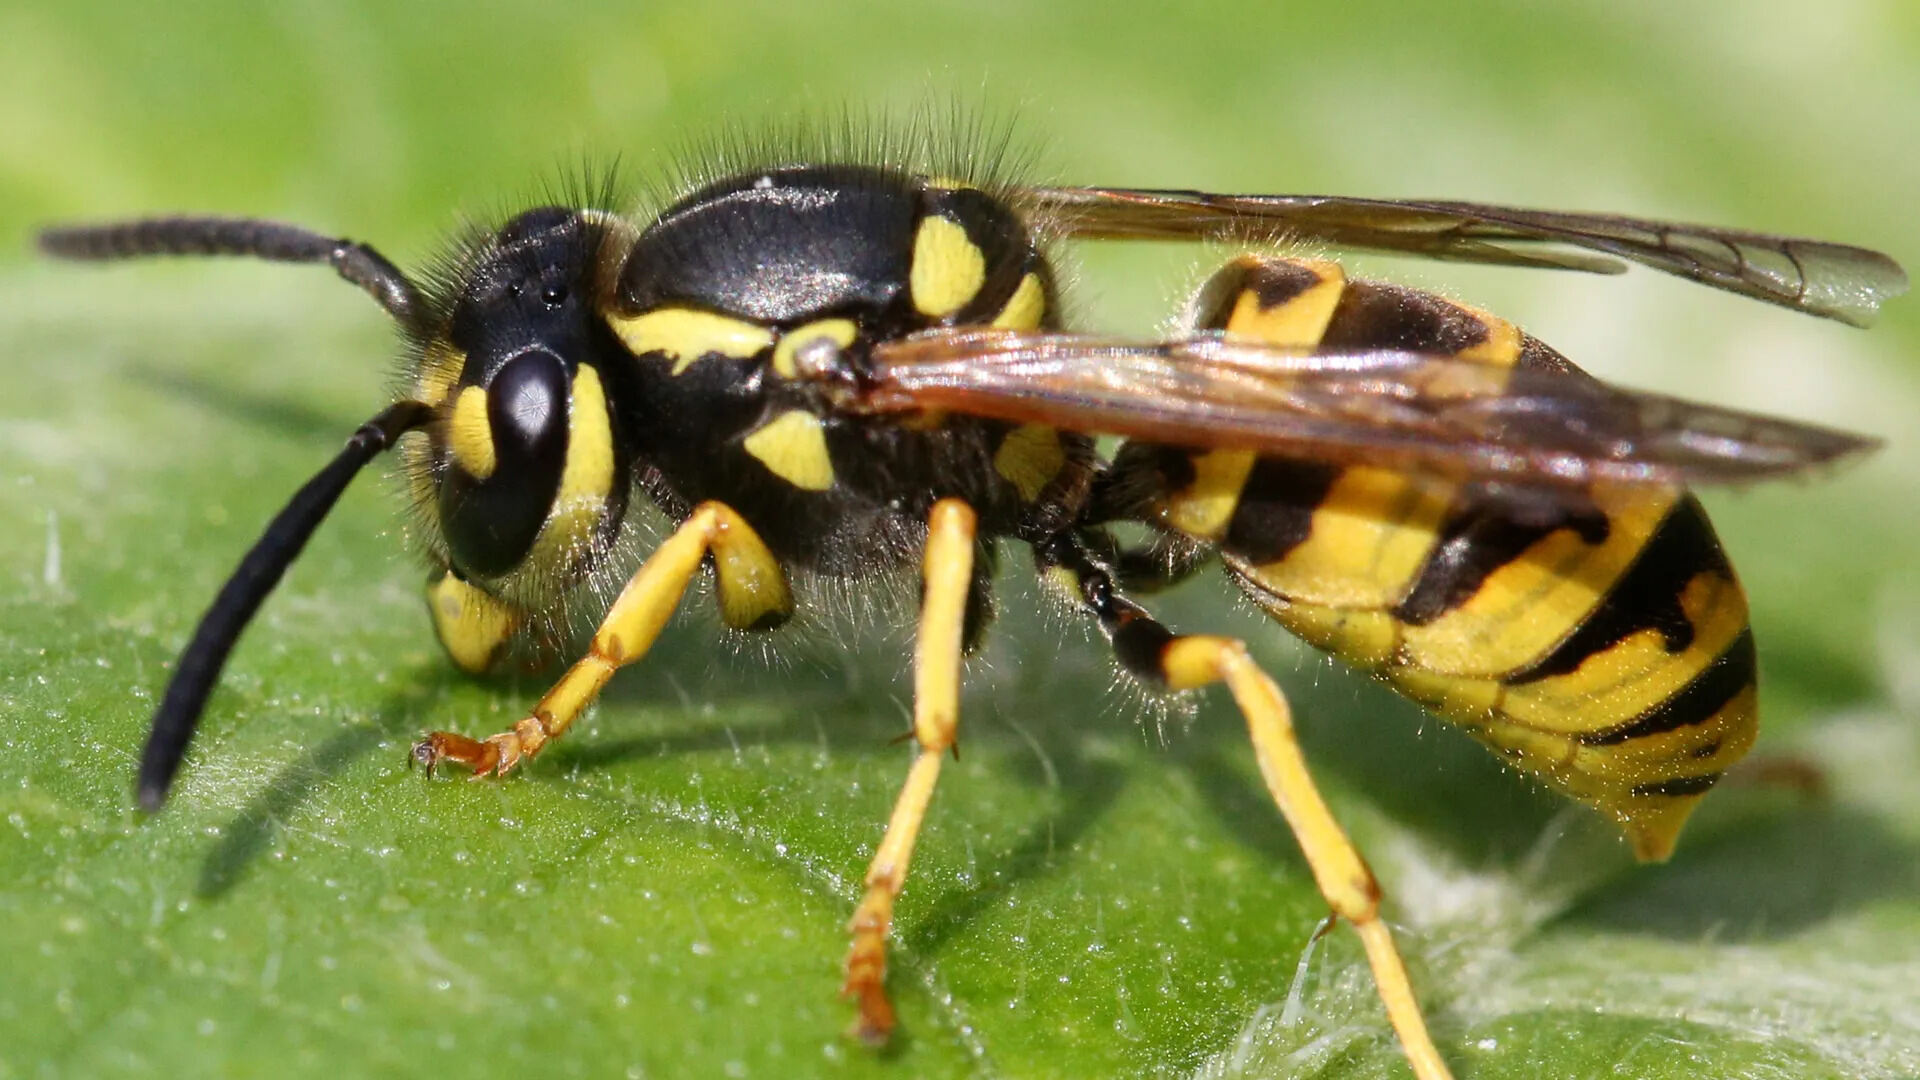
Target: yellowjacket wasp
(845, 370)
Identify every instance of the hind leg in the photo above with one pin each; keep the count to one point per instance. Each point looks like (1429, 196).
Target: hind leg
(1186, 662)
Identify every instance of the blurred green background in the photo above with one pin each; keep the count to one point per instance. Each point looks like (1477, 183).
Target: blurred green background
(662, 894)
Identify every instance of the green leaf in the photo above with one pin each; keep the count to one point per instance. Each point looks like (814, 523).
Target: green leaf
(1100, 890)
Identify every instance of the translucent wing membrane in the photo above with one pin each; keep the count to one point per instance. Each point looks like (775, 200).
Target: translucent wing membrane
(1831, 280)
(1538, 429)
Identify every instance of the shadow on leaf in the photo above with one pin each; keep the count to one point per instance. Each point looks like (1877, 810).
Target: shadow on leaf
(1779, 867)
(253, 829)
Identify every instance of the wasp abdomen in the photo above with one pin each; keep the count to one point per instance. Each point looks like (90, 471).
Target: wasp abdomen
(1597, 639)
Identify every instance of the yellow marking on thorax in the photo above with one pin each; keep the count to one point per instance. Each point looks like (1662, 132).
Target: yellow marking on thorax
(1371, 535)
(471, 624)
(1205, 507)
(1029, 458)
(470, 434)
(684, 335)
(793, 446)
(1025, 308)
(586, 480)
(924, 420)
(1300, 321)
(948, 268)
(1530, 604)
(839, 331)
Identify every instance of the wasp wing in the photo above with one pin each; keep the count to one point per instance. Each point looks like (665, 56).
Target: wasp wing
(1530, 428)
(1831, 280)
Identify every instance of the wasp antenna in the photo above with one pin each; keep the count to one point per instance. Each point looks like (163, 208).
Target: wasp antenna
(200, 664)
(271, 240)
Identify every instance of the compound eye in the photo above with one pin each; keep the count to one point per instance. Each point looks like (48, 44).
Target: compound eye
(508, 446)
(527, 405)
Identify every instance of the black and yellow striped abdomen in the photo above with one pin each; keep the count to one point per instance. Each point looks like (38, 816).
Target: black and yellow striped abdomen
(1599, 642)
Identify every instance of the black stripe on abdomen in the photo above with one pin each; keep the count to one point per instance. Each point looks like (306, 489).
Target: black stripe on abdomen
(1699, 701)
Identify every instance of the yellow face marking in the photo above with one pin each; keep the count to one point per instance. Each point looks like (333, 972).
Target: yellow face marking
(470, 434)
(440, 367)
(1532, 603)
(419, 461)
(1029, 458)
(793, 446)
(839, 331)
(1025, 308)
(585, 480)
(470, 623)
(684, 335)
(589, 470)
(1205, 507)
(948, 268)
(1301, 321)
(1371, 535)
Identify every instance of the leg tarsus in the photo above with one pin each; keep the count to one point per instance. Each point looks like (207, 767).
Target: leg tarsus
(496, 754)
(866, 982)
(439, 746)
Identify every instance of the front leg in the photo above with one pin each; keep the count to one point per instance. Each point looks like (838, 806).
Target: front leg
(750, 580)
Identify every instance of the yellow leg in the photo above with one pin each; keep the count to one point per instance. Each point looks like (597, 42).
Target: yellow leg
(625, 635)
(1343, 876)
(936, 715)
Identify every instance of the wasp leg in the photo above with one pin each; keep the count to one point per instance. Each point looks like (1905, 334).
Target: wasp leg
(625, 635)
(948, 572)
(1166, 561)
(1187, 662)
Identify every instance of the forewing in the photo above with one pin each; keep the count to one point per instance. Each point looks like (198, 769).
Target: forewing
(1831, 280)
(1539, 429)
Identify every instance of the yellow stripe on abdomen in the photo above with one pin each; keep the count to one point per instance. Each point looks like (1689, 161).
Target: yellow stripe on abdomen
(1526, 605)
(1599, 641)
(1370, 534)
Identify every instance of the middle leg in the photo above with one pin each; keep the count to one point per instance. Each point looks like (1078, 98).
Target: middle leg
(948, 574)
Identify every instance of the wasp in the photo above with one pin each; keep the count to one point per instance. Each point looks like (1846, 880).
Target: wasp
(832, 370)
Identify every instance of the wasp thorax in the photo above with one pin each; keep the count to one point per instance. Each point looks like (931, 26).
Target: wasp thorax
(531, 475)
